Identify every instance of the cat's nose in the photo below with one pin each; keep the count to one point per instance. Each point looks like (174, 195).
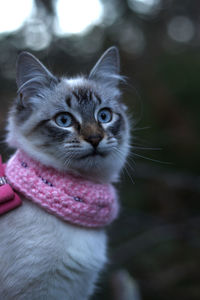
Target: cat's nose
(94, 139)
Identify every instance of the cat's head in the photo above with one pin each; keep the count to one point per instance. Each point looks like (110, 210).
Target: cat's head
(72, 124)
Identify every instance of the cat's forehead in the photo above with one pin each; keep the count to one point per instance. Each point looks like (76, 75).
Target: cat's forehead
(78, 92)
(82, 94)
(83, 90)
(85, 95)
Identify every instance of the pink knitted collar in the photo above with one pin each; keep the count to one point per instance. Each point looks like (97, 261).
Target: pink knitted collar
(70, 198)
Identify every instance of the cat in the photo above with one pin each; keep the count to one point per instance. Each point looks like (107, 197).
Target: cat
(78, 126)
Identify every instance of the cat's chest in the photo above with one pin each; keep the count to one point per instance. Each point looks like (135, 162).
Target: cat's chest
(30, 237)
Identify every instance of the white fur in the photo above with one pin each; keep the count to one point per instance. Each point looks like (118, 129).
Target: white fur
(43, 257)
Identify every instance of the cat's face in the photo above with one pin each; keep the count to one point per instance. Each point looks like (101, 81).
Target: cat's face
(77, 125)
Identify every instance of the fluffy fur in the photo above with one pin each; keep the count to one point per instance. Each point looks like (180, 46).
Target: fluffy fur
(43, 257)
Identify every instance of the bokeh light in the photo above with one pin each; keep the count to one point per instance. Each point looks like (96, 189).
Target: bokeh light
(13, 14)
(77, 16)
(181, 29)
(132, 39)
(147, 7)
(36, 35)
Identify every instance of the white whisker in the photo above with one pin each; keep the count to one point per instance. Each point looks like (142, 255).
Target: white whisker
(150, 159)
(120, 156)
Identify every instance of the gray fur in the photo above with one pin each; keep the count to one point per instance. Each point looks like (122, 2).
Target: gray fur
(32, 76)
(106, 70)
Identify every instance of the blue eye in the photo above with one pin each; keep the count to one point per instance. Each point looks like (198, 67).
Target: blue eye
(64, 120)
(104, 115)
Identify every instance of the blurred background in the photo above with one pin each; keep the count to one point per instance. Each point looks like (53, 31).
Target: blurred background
(155, 244)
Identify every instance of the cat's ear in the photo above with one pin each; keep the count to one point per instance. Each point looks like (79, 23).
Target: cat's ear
(107, 68)
(32, 74)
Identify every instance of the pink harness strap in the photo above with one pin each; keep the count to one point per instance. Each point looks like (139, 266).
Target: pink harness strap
(69, 197)
(8, 198)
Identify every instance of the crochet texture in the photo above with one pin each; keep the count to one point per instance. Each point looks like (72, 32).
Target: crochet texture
(71, 198)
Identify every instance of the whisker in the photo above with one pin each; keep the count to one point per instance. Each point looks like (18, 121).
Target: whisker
(138, 147)
(3, 139)
(72, 144)
(150, 159)
(120, 156)
(68, 159)
(141, 128)
(129, 175)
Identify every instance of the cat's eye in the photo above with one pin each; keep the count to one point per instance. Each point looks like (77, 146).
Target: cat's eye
(104, 115)
(64, 120)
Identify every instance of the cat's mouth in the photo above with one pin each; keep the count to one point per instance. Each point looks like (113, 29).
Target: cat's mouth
(94, 153)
